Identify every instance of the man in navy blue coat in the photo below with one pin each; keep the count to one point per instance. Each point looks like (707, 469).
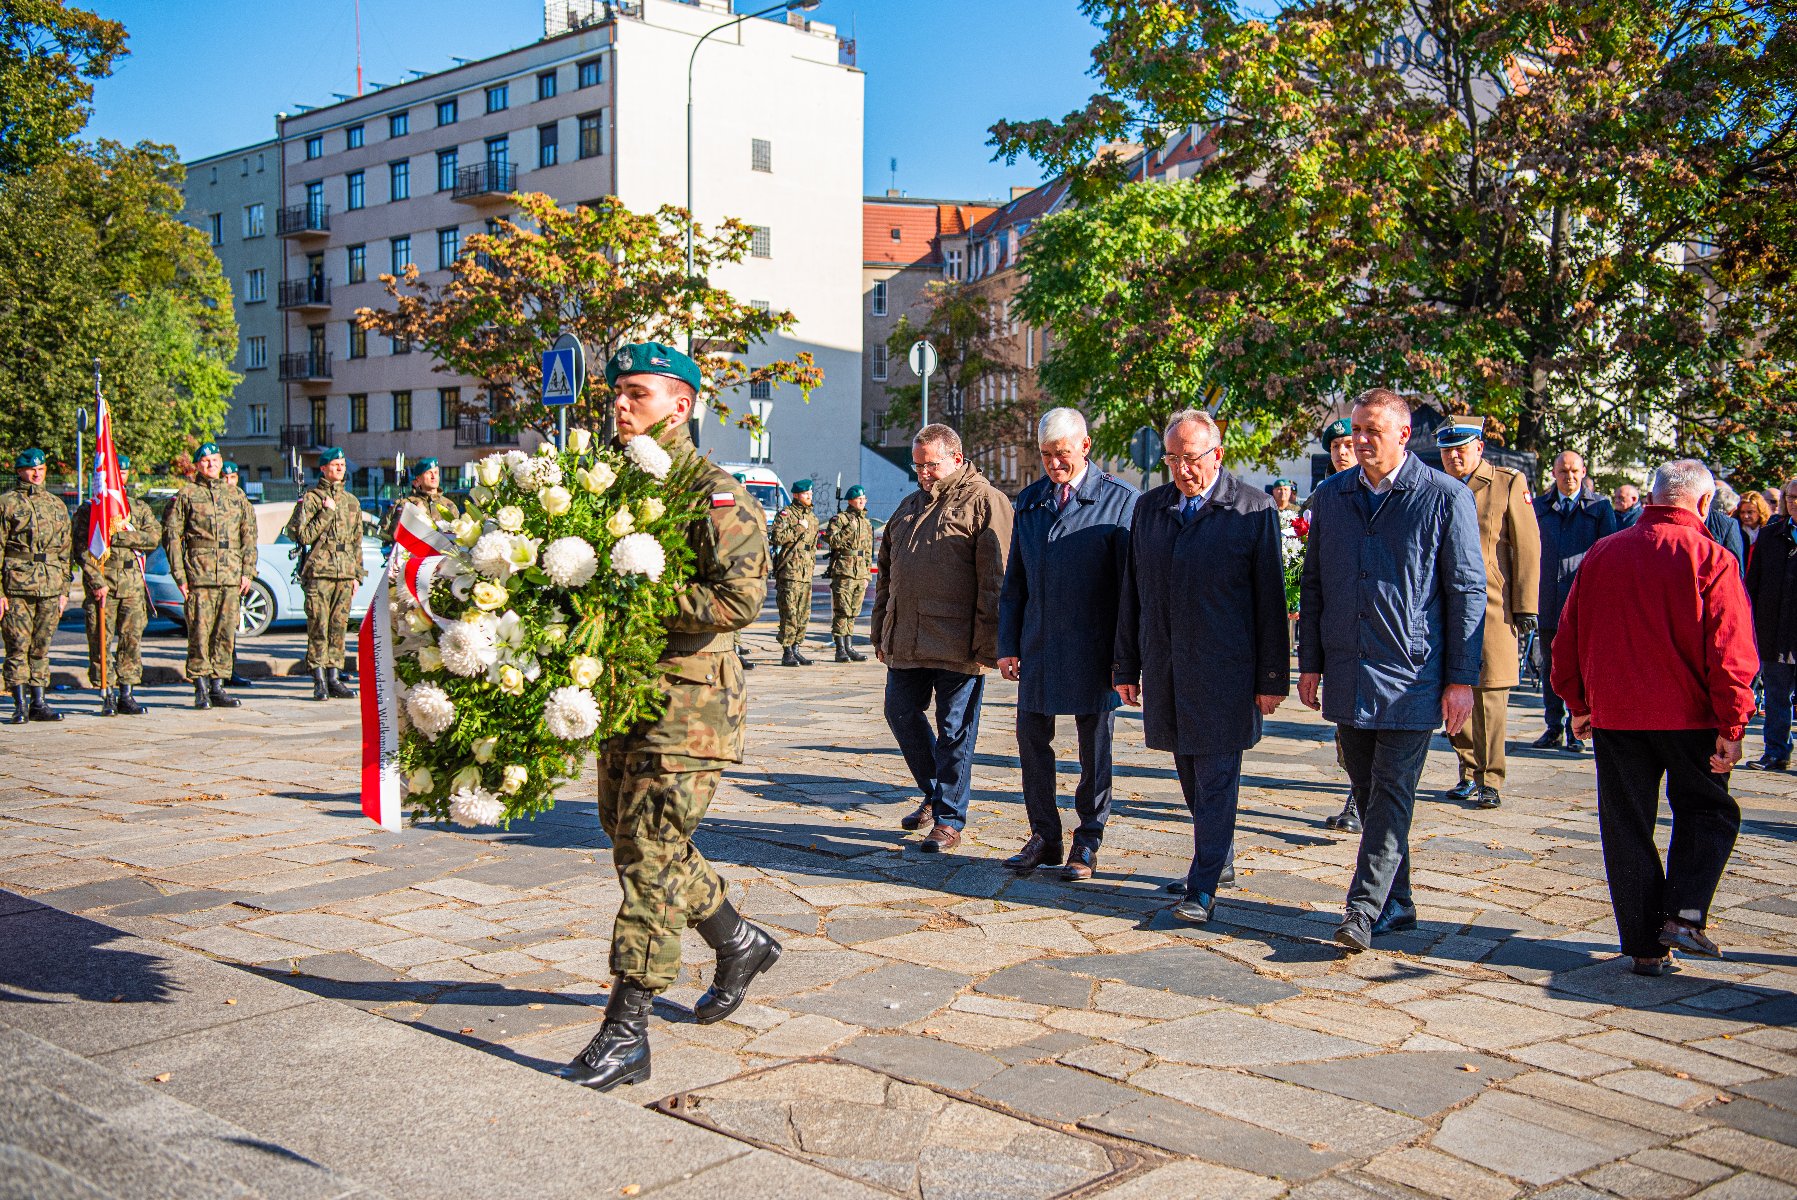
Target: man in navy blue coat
(1571, 518)
(1392, 626)
(1203, 643)
(1057, 618)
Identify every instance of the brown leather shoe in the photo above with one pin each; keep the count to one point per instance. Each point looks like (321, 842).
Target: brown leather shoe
(1080, 865)
(918, 817)
(1037, 852)
(941, 840)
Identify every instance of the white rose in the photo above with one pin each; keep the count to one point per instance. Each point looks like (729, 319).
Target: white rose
(621, 523)
(430, 659)
(481, 495)
(553, 635)
(546, 448)
(579, 440)
(467, 777)
(556, 500)
(515, 777)
(466, 531)
(651, 510)
(596, 478)
(489, 595)
(511, 681)
(485, 748)
(511, 518)
(417, 621)
(488, 470)
(419, 782)
(584, 670)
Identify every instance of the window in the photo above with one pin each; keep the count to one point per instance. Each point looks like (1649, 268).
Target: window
(446, 111)
(402, 410)
(258, 422)
(315, 201)
(399, 124)
(356, 190)
(255, 285)
(358, 412)
(253, 224)
(401, 248)
(1029, 346)
(215, 174)
(548, 145)
(255, 352)
(499, 97)
(590, 73)
(449, 407)
(761, 155)
(951, 264)
(399, 180)
(357, 271)
(353, 137)
(879, 298)
(358, 341)
(879, 361)
(215, 229)
(546, 86)
(398, 346)
(761, 306)
(761, 389)
(260, 163)
(761, 241)
(315, 147)
(592, 134)
(246, 167)
(449, 246)
(446, 165)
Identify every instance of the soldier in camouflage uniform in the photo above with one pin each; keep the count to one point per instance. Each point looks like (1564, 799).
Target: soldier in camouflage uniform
(327, 526)
(850, 536)
(34, 584)
(232, 479)
(742, 650)
(117, 587)
(795, 559)
(209, 532)
(656, 781)
(426, 493)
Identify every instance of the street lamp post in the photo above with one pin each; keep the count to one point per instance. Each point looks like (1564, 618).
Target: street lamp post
(693, 58)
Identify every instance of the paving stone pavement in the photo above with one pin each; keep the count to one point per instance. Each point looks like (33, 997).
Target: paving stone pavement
(1502, 1049)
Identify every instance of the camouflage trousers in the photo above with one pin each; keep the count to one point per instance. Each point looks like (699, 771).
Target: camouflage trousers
(845, 605)
(126, 617)
(649, 812)
(211, 615)
(327, 620)
(27, 628)
(795, 609)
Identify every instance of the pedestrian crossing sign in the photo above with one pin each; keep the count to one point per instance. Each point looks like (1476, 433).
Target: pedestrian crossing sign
(559, 379)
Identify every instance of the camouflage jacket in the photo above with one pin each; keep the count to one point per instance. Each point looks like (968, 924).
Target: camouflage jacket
(702, 725)
(328, 520)
(440, 507)
(851, 537)
(34, 542)
(123, 572)
(795, 542)
(209, 531)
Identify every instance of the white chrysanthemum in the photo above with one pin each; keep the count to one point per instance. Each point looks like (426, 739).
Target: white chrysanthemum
(569, 562)
(475, 806)
(638, 554)
(571, 714)
(648, 455)
(469, 647)
(431, 710)
(546, 471)
(524, 474)
(492, 555)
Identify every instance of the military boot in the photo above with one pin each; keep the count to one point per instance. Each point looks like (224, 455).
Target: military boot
(318, 690)
(128, 704)
(743, 656)
(744, 951)
(40, 711)
(620, 1051)
(18, 705)
(109, 705)
(215, 692)
(842, 649)
(200, 698)
(338, 691)
(848, 646)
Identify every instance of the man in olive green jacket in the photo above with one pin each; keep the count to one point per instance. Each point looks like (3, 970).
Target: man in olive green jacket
(34, 584)
(209, 532)
(327, 526)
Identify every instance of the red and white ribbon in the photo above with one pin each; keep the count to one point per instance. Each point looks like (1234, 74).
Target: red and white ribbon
(382, 790)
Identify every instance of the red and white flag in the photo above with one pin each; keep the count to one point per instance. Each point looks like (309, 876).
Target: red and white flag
(110, 509)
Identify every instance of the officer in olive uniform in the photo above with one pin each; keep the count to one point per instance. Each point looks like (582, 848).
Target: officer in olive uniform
(850, 536)
(34, 584)
(327, 526)
(794, 541)
(117, 586)
(656, 781)
(426, 493)
(232, 479)
(209, 532)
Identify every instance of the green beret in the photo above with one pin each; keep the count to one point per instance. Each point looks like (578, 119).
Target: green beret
(423, 465)
(855, 493)
(205, 449)
(803, 485)
(28, 459)
(329, 454)
(651, 358)
(230, 468)
(124, 462)
(1284, 483)
(1341, 427)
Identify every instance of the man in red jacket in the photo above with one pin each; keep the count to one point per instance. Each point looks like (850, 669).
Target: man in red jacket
(1669, 692)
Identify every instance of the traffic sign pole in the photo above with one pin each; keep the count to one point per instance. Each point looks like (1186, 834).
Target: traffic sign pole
(564, 375)
(923, 365)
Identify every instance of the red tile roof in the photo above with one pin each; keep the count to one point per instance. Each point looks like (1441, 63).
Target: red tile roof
(918, 225)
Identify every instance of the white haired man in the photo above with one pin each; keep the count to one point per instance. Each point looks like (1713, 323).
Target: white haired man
(1057, 619)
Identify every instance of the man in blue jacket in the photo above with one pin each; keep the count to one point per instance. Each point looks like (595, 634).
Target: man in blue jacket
(1057, 617)
(1392, 622)
(1571, 518)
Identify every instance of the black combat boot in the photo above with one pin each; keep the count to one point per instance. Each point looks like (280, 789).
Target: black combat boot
(620, 1052)
(215, 692)
(318, 692)
(39, 711)
(128, 704)
(744, 951)
(743, 656)
(338, 691)
(790, 657)
(109, 705)
(1348, 819)
(200, 698)
(842, 649)
(18, 705)
(848, 645)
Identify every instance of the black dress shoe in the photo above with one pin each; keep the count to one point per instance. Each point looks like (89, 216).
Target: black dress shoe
(1466, 789)
(620, 1052)
(917, 818)
(1348, 819)
(1766, 762)
(1547, 741)
(1574, 745)
(1355, 933)
(1489, 798)
(1195, 910)
(1038, 851)
(744, 951)
(1080, 865)
(1227, 876)
(1396, 918)
(237, 680)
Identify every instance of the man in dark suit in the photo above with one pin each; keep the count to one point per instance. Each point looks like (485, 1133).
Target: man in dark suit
(1627, 505)
(1202, 640)
(1570, 518)
(1057, 619)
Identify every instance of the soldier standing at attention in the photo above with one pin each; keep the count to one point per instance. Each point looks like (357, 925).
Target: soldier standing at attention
(117, 585)
(230, 475)
(742, 651)
(327, 524)
(795, 559)
(656, 781)
(34, 584)
(209, 532)
(426, 493)
(851, 539)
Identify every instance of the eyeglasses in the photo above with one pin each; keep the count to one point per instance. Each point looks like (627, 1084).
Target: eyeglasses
(1191, 462)
(931, 466)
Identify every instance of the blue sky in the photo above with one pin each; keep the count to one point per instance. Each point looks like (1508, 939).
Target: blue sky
(209, 75)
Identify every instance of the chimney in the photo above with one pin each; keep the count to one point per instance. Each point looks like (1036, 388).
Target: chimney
(1020, 192)
(893, 193)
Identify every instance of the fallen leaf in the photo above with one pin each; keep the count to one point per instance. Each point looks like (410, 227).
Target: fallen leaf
(1469, 1067)
(470, 1029)
(1724, 1098)
(162, 1078)
(117, 999)
(232, 1000)
(1680, 1075)
(630, 1189)
(533, 1007)
(1319, 1146)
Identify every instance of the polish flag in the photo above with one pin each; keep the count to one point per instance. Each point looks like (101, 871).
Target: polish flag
(110, 509)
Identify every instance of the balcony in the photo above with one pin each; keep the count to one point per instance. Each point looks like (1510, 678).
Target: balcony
(306, 437)
(303, 221)
(479, 431)
(485, 181)
(302, 294)
(306, 368)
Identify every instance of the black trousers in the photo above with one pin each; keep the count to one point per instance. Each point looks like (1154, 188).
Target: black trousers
(1705, 821)
(1383, 768)
(1091, 796)
(1553, 709)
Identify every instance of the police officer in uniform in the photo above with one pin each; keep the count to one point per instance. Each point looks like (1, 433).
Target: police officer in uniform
(117, 586)
(209, 532)
(426, 493)
(656, 781)
(34, 584)
(850, 535)
(327, 525)
(1338, 438)
(795, 559)
(232, 480)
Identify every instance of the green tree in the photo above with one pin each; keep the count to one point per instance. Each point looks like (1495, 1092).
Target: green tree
(609, 276)
(961, 322)
(50, 54)
(1489, 204)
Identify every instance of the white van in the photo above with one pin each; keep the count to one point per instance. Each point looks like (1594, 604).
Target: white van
(763, 484)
